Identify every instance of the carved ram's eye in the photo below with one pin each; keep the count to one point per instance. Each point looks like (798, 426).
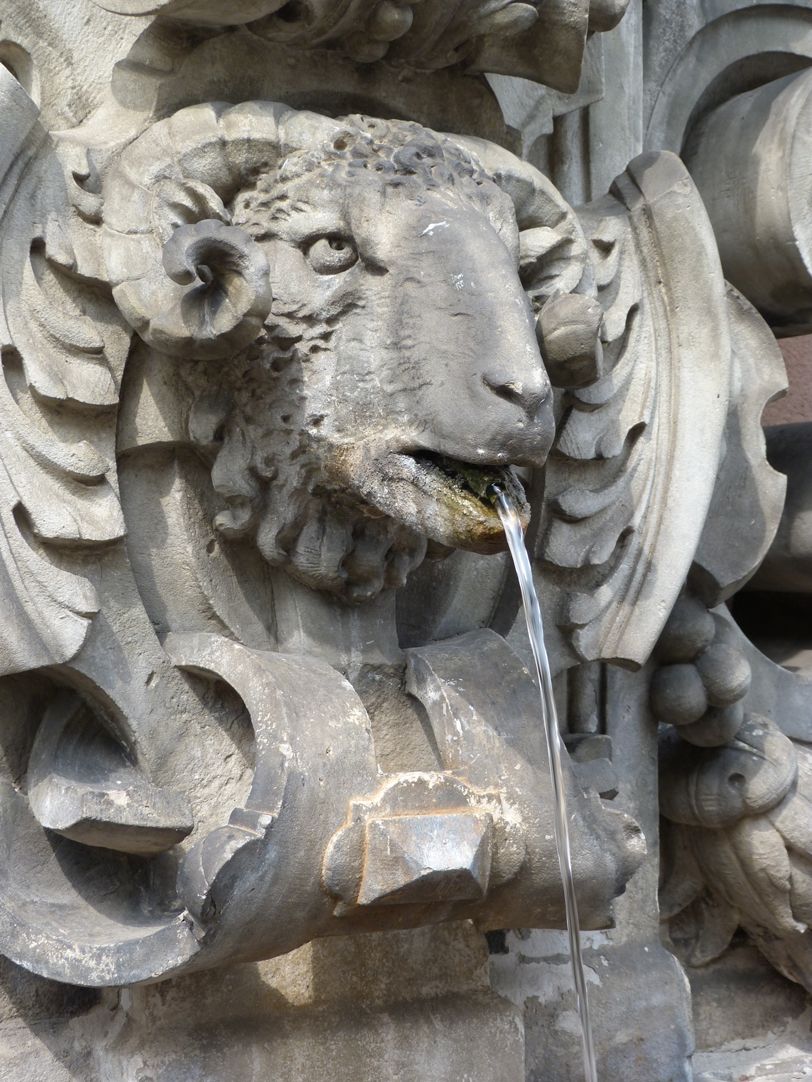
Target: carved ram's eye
(331, 255)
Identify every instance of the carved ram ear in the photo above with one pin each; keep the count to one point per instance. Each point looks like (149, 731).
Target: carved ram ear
(184, 278)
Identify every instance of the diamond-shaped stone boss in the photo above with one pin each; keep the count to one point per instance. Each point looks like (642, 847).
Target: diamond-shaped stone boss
(427, 858)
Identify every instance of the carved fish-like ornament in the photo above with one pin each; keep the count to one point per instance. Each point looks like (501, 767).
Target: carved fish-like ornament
(716, 787)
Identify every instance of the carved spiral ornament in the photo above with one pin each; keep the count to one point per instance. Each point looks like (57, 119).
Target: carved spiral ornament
(185, 279)
(717, 788)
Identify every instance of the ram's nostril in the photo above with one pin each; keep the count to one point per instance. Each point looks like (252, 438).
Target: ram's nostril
(504, 387)
(528, 396)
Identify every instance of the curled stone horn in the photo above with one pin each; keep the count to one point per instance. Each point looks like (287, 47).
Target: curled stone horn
(550, 233)
(184, 278)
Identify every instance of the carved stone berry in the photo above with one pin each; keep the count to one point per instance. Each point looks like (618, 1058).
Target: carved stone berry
(725, 674)
(390, 21)
(702, 680)
(689, 630)
(715, 728)
(678, 694)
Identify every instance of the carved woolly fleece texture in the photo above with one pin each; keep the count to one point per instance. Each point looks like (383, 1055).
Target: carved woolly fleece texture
(269, 465)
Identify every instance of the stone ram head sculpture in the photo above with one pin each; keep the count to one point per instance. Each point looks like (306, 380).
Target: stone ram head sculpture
(356, 288)
(337, 320)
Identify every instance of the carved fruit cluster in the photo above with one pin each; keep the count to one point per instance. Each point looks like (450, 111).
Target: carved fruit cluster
(702, 680)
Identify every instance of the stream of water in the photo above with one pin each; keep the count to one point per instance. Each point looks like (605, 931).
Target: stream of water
(535, 629)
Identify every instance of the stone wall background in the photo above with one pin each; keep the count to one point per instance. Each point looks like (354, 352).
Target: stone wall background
(797, 405)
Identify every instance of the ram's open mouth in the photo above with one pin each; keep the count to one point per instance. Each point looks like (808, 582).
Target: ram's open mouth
(448, 500)
(466, 481)
(460, 499)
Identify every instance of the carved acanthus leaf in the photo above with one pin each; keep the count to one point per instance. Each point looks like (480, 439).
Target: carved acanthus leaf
(633, 470)
(59, 368)
(757, 875)
(703, 931)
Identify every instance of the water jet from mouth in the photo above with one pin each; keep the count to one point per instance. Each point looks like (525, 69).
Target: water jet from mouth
(535, 628)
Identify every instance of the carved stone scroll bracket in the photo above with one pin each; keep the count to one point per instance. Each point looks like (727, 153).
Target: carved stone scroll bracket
(471, 841)
(698, 56)
(97, 812)
(748, 487)
(120, 878)
(81, 914)
(313, 753)
(751, 160)
(82, 784)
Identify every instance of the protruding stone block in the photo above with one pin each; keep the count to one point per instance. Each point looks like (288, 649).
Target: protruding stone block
(427, 858)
